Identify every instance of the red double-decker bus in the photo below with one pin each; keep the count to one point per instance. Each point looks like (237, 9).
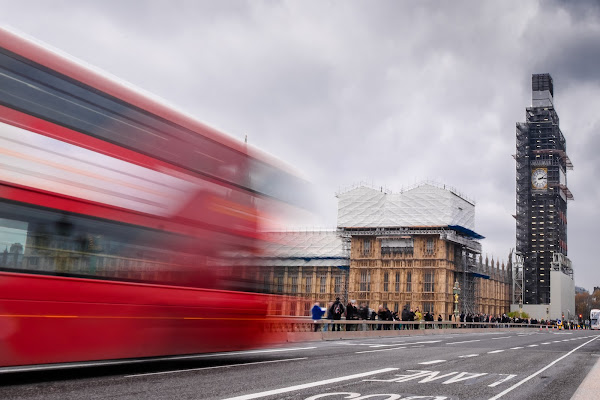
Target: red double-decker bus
(117, 217)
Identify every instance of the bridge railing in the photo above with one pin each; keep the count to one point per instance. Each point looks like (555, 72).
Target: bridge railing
(305, 324)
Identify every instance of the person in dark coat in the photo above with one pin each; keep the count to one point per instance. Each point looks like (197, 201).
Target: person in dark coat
(337, 310)
(351, 315)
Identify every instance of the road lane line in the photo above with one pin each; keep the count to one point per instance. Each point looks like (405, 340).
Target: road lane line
(468, 355)
(373, 351)
(8, 370)
(495, 351)
(516, 385)
(516, 348)
(219, 366)
(503, 337)
(429, 341)
(546, 343)
(533, 345)
(466, 341)
(309, 385)
(432, 362)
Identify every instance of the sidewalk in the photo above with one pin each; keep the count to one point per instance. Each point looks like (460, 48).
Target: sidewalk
(590, 387)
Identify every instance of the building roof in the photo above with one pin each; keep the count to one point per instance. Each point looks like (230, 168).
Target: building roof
(426, 205)
(300, 249)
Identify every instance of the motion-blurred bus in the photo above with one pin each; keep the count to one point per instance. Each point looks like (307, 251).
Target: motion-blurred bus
(595, 319)
(119, 217)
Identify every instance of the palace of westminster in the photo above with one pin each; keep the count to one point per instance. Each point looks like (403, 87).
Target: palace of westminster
(394, 250)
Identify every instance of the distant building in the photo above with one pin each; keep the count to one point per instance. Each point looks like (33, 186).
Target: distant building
(394, 250)
(409, 248)
(579, 290)
(306, 266)
(541, 200)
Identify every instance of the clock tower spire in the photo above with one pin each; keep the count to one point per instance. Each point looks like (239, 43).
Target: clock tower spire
(542, 194)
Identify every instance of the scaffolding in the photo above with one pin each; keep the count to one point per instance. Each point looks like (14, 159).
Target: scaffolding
(467, 271)
(541, 209)
(517, 283)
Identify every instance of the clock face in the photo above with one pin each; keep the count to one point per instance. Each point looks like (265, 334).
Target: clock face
(539, 178)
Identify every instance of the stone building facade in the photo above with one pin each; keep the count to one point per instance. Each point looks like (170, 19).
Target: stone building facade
(395, 250)
(408, 249)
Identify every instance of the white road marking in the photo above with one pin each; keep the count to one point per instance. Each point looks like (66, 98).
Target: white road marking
(516, 348)
(429, 341)
(466, 341)
(508, 377)
(309, 385)
(239, 353)
(468, 355)
(219, 366)
(432, 362)
(385, 345)
(533, 345)
(546, 343)
(463, 376)
(556, 341)
(373, 351)
(516, 385)
(503, 337)
(147, 360)
(495, 351)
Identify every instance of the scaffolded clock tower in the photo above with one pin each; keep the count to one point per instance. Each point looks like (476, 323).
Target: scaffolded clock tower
(542, 195)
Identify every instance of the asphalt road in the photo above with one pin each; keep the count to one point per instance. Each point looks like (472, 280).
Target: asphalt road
(487, 365)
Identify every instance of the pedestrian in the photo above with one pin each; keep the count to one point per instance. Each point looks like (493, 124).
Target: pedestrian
(418, 317)
(351, 315)
(405, 316)
(427, 317)
(337, 309)
(317, 314)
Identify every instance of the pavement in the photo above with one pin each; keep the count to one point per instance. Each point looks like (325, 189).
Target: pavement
(590, 387)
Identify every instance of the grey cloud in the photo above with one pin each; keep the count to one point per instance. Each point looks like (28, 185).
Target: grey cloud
(390, 93)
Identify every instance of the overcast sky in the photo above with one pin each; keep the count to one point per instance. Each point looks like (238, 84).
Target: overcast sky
(391, 93)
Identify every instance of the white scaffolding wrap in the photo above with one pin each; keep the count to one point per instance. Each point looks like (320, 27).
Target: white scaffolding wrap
(422, 206)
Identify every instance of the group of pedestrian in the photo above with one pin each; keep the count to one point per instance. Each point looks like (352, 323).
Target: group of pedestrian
(336, 310)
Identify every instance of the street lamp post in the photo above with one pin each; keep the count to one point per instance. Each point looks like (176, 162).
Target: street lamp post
(456, 292)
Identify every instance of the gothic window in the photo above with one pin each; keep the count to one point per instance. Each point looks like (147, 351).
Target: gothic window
(365, 281)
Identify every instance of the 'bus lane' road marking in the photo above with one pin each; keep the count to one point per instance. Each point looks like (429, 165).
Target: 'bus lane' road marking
(309, 385)
(445, 378)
